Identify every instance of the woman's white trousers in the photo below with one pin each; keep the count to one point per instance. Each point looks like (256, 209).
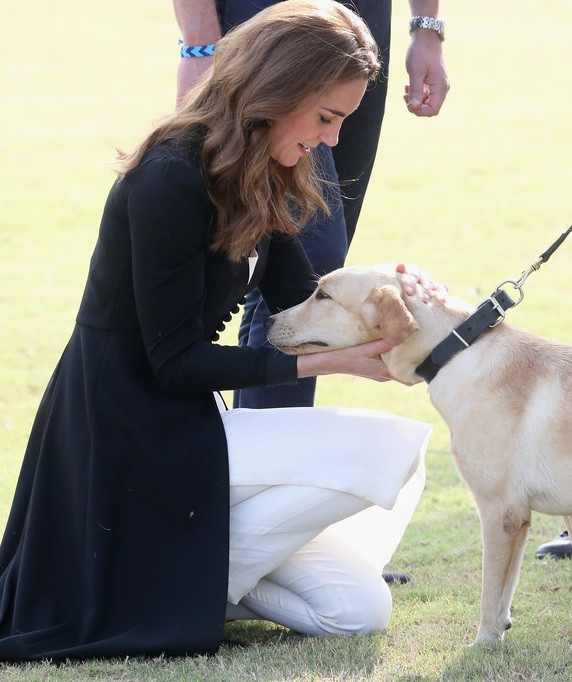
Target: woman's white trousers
(320, 499)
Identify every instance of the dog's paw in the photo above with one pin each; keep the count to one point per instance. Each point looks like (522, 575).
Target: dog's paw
(488, 637)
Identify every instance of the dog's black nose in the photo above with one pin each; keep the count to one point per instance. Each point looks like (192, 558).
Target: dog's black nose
(268, 322)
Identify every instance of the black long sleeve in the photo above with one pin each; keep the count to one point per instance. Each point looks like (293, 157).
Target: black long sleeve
(153, 270)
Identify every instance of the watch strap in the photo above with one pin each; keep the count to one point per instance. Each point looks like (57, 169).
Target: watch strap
(437, 25)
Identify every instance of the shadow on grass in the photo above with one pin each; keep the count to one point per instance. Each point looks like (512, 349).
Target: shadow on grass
(291, 656)
(512, 661)
(256, 633)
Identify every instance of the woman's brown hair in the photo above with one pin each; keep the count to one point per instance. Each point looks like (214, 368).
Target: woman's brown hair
(263, 70)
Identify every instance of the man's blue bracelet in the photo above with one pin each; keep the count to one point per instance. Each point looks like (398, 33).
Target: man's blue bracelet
(197, 50)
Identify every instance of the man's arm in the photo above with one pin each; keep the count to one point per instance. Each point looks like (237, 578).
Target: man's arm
(199, 25)
(428, 81)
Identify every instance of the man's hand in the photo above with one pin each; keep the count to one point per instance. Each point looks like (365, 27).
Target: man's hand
(428, 81)
(190, 72)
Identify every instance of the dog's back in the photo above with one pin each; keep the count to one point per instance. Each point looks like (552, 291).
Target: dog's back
(507, 401)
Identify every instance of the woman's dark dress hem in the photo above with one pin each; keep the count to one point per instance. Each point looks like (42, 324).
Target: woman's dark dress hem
(117, 541)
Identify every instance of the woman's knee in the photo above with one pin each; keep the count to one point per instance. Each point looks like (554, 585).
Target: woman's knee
(375, 609)
(366, 611)
(331, 610)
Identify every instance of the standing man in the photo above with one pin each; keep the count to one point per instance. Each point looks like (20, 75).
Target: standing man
(347, 163)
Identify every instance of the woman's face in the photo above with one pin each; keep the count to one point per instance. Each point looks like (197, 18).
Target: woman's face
(317, 119)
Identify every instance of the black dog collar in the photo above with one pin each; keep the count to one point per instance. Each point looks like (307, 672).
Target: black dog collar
(489, 313)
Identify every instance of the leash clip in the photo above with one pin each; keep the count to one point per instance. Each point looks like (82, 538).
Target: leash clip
(517, 284)
(525, 273)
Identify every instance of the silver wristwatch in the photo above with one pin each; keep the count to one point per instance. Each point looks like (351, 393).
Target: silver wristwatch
(428, 22)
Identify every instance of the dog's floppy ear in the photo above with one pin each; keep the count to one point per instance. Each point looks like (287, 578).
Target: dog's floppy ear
(385, 309)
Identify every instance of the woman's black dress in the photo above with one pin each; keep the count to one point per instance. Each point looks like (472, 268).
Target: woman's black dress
(117, 541)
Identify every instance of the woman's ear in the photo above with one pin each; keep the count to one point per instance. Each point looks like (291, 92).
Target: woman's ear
(385, 309)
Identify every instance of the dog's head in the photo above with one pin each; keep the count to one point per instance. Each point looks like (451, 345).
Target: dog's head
(354, 305)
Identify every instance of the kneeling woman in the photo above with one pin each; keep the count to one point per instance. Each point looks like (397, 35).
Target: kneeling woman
(118, 539)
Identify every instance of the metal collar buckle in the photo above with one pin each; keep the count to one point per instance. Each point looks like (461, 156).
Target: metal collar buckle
(448, 348)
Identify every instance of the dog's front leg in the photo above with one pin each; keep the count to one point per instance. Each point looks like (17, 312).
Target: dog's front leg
(504, 534)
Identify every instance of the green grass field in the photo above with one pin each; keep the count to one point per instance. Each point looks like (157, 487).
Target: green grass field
(473, 196)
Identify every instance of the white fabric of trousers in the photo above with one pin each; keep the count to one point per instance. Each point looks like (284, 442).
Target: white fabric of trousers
(320, 499)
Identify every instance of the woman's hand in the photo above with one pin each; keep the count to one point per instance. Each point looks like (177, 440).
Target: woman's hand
(362, 361)
(415, 279)
(365, 360)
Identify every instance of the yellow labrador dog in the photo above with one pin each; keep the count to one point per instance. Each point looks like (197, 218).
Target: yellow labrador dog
(505, 395)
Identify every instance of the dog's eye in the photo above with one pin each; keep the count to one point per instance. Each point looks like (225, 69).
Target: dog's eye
(321, 295)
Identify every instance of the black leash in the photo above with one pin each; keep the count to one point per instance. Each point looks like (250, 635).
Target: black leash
(546, 255)
(488, 314)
